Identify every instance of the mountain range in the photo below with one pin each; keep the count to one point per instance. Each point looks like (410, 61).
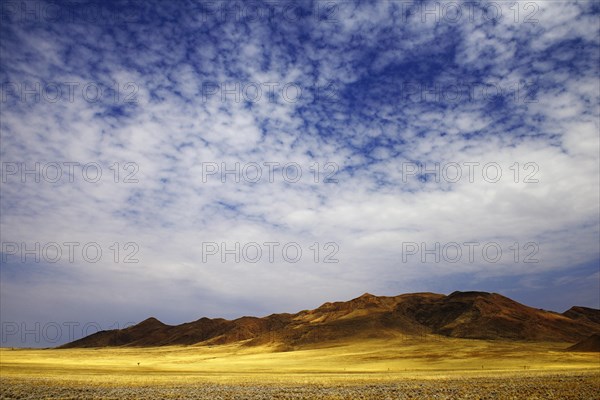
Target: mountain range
(468, 315)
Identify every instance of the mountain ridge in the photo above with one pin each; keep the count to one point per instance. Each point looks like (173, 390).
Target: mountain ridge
(468, 315)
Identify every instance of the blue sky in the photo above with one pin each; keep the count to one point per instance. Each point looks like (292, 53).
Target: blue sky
(357, 97)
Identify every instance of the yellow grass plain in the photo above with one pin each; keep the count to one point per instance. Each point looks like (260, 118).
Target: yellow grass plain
(365, 362)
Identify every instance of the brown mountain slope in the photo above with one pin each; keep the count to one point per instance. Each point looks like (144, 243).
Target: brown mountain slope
(583, 313)
(590, 344)
(477, 315)
(480, 315)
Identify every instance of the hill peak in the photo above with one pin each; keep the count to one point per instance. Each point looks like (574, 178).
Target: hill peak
(151, 322)
(583, 313)
(366, 295)
(469, 294)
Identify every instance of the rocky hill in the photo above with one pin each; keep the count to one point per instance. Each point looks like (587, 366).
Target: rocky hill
(473, 315)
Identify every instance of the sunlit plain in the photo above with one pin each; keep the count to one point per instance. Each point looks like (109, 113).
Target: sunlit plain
(365, 362)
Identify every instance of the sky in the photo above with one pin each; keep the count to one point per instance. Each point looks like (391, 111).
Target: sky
(186, 159)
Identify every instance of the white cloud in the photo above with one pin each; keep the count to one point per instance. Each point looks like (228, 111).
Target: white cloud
(367, 134)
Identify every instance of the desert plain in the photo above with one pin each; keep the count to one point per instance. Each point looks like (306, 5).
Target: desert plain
(423, 367)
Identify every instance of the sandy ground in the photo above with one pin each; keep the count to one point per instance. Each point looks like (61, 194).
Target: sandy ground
(396, 369)
(573, 385)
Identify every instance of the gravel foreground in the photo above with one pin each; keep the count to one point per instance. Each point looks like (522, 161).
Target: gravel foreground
(580, 386)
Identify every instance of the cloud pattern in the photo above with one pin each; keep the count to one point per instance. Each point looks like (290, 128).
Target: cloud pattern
(360, 92)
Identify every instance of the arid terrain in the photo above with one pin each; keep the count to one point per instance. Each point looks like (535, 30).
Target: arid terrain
(579, 386)
(419, 346)
(418, 368)
(468, 315)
